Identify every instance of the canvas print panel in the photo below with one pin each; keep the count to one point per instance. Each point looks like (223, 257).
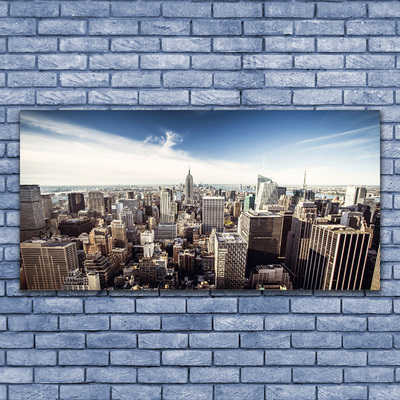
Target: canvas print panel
(178, 200)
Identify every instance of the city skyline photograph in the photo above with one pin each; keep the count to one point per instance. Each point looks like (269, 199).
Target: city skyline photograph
(221, 147)
(203, 200)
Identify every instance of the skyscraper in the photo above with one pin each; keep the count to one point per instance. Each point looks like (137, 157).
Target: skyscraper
(337, 258)
(355, 195)
(230, 260)
(46, 263)
(31, 216)
(213, 214)
(262, 233)
(76, 202)
(189, 192)
(249, 202)
(96, 202)
(47, 205)
(118, 233)
(165, 207)
(127, 217)
(267, 192)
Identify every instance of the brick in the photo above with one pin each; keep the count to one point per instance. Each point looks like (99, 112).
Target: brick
(163, 340)
(326, 306)
(381, 392)
(36, 9)
(289, 323)
(87, 45)
(214, 375)
(31, 357)
(268, 28)
(136, 392)
(341, 45)
(131, 9)
(214, 340)
(17, 61)
(237, 45)
(61, 27)
(386, 323)
(31, 391)
(83, 357)
(12, 217)
(319, 61)
(368, 375)
(57, 306)
(135, 322)
(186, 357)
(382, 10)
(242, 323)
(366, 306)
(216, 62)
(162, 375)
(34, 79)
(113, 61)
(289, 357)
(109, 96)
(267, 305)
(135, 44)
(187, 323)
(384, 44)
(60, 375)
(239, 10)
(345, 392)
(383, 78)
(342, 78)
(265, 340)
(16, 375)
(367, 341)
(84, 322)
(32, 45)
(259, 61)
(165, 28)
(288, 10)
(238, 392)
(217, 27)
(214, 97)
(108, 305)
(289, 79)
(113, 26)
(8, 201)
(18, 306)
(179, 392)
(19, 26)
(368, 97)
(83, 79)
(60, 340)
(111, 340)
(317, 96)
(238, 357)
(32, 323)
(53, 97)
(365, 27)
(194, 45)
(317, 375)
(135, 357)
(178, 97)
(342, 358)
(347, 10)
(384, 357)
(212, 305)
(61, 61)
(270, 375)
(286, 45)
(341, 323)
(89, 391)
(318, 27)
(289, 392)
(92, 9)
(262, 96)
(110, 375)
(16, 340)
(186, 79)
(181, 9)
(369, 61)
(164, 61)
(321, 340)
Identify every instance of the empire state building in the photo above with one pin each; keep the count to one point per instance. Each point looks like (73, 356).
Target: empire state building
(189, 188)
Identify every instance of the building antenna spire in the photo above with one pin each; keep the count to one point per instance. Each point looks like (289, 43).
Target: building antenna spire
(304, 182)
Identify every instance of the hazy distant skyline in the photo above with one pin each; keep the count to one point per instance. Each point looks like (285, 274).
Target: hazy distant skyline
(221, 147)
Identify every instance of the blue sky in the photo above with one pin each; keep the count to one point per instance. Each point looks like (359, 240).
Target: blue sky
(139, 147)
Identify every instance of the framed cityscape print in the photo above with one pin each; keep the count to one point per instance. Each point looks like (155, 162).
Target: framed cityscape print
(200, 200)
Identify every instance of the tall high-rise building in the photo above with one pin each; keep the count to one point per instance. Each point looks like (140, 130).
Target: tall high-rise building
(267, 192)
(249, 202)
(128, 217)
(213, 214)
(355, 195)
(46, 263)
(189, 191)
(76, 202)
(165, 207)
(230, 260)
(262, 233)
(31, 215)
(103, 266)
(96, 202)
(47, 205)
(118, 233)
(130, 195)
(337, 258)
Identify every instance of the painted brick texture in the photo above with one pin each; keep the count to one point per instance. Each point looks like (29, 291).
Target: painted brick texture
(199, 55)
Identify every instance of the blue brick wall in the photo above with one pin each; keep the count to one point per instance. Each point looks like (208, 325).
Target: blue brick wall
(199, 54)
